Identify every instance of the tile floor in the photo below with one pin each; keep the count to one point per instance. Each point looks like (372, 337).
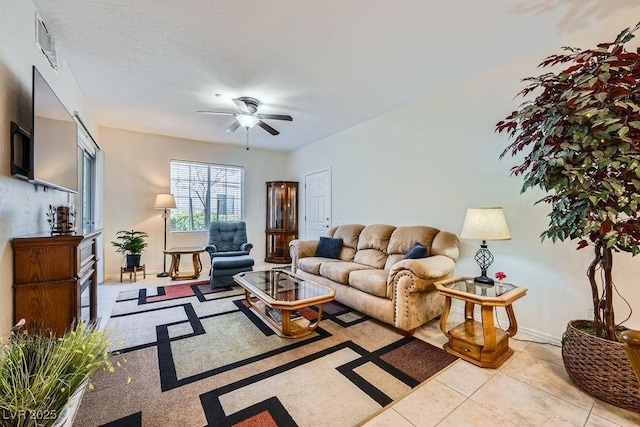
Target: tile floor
(530, 389)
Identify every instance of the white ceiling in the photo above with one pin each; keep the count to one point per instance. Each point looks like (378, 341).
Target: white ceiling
(148, 65)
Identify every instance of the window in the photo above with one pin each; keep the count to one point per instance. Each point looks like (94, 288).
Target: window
(88, 190)
(91, 175)
(205, 193)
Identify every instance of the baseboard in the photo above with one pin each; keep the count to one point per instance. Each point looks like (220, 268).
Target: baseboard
(533, 335)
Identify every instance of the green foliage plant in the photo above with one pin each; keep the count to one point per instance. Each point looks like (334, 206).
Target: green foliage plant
(580, 137)
(130, 242)
(39, 373)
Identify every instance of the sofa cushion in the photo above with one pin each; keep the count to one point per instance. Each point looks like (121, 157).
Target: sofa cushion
(372, 245)
(349, 235)
(339, 271)
(392, 259)
(329, 247)
(403, 238)
(312, 264)
(373, 282)
(417, 251)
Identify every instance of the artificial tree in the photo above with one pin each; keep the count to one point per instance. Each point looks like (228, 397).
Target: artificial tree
(581, 143)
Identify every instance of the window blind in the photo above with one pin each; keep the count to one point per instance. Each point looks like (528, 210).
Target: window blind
(204, 193)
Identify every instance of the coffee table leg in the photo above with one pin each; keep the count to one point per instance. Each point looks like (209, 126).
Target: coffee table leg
(247, 297)
(314, 325)
(286, 322)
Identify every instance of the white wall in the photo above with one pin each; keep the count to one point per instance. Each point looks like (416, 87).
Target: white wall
(427, 162)
(137, 168)
(23, 206)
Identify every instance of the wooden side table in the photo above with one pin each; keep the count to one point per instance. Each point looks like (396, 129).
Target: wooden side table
(480, 343)
(174, 270)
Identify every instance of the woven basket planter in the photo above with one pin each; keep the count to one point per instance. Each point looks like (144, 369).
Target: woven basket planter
(600, 367)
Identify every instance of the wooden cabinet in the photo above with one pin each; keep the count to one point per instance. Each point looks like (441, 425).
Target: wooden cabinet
(282, 219)
(55, 280)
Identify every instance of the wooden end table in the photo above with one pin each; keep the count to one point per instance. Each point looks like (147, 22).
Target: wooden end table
(174, 270)
(480, 343)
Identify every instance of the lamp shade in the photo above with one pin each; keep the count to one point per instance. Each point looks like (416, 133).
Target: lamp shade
(165, 201)
(485, 224)
(247, 120)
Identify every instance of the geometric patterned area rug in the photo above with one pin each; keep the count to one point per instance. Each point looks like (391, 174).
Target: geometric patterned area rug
(199, 357)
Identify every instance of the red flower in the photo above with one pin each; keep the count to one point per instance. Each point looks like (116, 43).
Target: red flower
(500, 275)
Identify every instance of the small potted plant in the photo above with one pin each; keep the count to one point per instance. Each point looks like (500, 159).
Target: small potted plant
(132, 244)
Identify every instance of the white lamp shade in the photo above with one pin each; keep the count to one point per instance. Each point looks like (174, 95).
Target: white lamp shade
(485, 224)
(247, 120)
(165, 201)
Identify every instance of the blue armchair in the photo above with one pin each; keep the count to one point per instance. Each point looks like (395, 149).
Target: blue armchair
(229, 251)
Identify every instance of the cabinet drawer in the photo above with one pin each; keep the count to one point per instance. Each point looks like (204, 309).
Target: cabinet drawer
(464, 347)
(86, 254)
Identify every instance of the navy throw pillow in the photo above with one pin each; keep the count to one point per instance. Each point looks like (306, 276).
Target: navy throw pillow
(417, 251)
(329, 247)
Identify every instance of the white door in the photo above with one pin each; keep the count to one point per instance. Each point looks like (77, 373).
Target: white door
(317, 204)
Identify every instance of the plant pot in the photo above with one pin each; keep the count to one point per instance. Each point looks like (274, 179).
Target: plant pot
(600, 367)
(133, 261)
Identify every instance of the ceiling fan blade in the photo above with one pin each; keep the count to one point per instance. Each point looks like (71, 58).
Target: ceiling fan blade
(235, 125)
(220, 113)
(242, 106)
(275, 117)
(268, 128)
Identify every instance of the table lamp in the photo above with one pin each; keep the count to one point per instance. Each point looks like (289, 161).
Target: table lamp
(165, 201)
(485, 224)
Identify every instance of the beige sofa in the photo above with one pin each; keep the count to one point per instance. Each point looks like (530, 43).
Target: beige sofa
(371, 275)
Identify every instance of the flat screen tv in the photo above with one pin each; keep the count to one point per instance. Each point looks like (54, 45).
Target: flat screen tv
(54, 140)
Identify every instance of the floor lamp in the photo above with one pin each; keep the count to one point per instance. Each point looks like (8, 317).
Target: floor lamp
(165, 201)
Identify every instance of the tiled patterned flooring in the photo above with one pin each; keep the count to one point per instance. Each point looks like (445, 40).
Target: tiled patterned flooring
(530, 389)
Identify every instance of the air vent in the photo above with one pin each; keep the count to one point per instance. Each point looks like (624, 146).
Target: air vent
(46, 42)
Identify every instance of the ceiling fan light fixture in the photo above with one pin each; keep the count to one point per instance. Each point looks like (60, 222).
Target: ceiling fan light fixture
(247, 120)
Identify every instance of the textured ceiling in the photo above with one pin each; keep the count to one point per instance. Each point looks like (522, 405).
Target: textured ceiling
(148, 65)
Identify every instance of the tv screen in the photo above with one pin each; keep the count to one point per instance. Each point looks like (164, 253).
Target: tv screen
(54, 140)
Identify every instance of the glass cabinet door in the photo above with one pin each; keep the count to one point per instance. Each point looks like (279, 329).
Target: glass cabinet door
(282, 219)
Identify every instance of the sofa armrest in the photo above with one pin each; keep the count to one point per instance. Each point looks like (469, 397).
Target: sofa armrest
(301, 249)
(428, 269)
(246, 247)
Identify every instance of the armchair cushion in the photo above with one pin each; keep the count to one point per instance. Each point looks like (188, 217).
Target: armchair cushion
(228, 236)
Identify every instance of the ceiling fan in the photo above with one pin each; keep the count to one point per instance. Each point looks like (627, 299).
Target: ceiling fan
(248, 116)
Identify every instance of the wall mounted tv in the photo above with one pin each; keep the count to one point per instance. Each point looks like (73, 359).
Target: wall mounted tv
(50, 156)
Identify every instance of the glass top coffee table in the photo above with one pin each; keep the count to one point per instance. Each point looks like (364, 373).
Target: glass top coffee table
(279, 294)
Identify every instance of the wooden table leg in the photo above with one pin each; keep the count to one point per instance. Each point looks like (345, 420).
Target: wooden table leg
(468, 310)
(489, 329)
(445, 315)
(286, 322)
(513, 324)
(173, 269)
(197, 265)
